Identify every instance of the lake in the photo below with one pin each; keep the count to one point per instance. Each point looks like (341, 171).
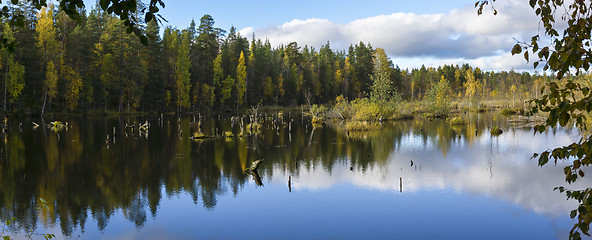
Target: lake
(413, 179)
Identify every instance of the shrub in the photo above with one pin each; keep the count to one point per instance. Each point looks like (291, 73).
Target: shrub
(508, 112)
(437, 99)
(365, 110)
(457, 121)
(496, 131)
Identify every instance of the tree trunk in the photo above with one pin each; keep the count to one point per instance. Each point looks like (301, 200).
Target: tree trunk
(5, 83)
(43, 108)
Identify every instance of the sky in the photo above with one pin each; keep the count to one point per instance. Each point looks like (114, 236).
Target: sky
(413, 33)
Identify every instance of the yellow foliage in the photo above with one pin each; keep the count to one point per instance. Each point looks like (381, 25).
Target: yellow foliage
(241, 75)
(73, 85)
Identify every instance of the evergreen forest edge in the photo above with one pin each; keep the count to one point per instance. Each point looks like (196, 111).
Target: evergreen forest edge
(94, 66)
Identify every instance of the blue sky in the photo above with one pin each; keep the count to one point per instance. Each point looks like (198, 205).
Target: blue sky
(413, 33)
(263, 13)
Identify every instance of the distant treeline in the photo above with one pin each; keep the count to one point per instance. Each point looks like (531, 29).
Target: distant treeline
(93, 64)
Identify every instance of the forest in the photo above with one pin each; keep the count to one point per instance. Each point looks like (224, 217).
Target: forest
(93, 65)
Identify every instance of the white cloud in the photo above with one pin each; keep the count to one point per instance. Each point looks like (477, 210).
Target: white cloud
(496, 169)
(457, 36)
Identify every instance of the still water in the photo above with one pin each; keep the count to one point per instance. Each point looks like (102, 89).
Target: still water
(415, 179)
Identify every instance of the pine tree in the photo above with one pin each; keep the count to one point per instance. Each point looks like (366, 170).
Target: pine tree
(182, 74)
(382, 86)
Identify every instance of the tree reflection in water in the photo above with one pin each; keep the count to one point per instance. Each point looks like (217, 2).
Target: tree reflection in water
(78, 175)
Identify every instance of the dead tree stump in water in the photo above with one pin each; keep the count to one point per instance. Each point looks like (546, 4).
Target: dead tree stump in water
(254, 165)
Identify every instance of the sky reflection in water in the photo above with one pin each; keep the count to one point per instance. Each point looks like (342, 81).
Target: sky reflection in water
(462, 185)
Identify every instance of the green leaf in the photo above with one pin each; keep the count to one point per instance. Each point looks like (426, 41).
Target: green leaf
(564, 118)
(576, 236)
(149, 17)
(532, 3)
(104, 4)
(516, 49)
(577, 164)
(153, 9)
(132, 5)
(573, 213)
(144, 40)
(543, 159)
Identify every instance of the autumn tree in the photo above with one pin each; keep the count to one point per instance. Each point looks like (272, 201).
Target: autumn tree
(241, 80)
(127, 10)
(437, 99)
(218, 76)
(73, 87)
(14, 80)
(177, 44)
(472, 87)
(68, 59)
(47, 43)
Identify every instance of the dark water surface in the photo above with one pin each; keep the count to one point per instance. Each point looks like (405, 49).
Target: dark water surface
(314, 183)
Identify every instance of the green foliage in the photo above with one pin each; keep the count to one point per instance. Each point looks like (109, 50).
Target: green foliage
(182, 74)
(360, 126)
(508, 112)
(15, 81)
(47, 43)
(495, 131)
(167, 98)
(74, 85)
(342, 107)
(177, 44)
(317, 110)
(567, 103)
(382, 88)
(218, 74)
(228, 134)
(472, 87)
(127, 10)
(207, 95)
(241, 75)
(437, 99)
(116, 71)
(29, 235)
(268, 88)
(226, 89)
(382, 84)
(365, 110)
(457, 121)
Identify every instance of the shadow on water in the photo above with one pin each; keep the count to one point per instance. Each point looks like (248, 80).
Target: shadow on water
(83, 173)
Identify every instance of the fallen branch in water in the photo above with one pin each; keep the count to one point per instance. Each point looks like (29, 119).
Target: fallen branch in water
(254, 165)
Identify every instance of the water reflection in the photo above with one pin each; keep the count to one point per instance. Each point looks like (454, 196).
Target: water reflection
(82, 175)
